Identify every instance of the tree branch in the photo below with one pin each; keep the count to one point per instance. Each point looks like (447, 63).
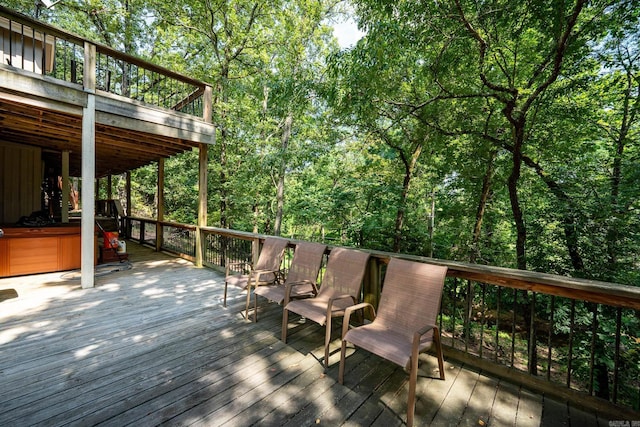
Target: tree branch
(483, 45)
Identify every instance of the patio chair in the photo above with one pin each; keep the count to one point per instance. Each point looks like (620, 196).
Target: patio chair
(265, 271)
(301, 277)
(405, 324)
(340, 289)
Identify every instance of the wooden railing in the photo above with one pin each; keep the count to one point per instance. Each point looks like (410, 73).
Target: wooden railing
(36, 47)
(570, 338)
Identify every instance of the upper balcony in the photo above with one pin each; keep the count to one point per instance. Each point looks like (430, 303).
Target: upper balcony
(142, 112)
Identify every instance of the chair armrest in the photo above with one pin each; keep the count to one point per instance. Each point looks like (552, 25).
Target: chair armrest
(426, 329)
(255, 275)
(264, 271)
(290, 285)
(338, 297)
(228, 266)
(343, 296)
(419, 333)
(304, 282)
(313, 284)
(350, 310)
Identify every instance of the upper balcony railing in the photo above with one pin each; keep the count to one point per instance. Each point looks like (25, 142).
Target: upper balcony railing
(573, 339)
(39, 48)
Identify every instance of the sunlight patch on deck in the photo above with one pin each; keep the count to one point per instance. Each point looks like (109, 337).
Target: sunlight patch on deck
(110, 287)
(9, 335)
(153, 292)
(87, 306)
(138, 338)
(86, 351)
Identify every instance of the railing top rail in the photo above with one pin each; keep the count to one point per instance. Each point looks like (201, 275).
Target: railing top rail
(613, 294)
(39, 26)
(51, 30)
(176, 225)
(569, 287)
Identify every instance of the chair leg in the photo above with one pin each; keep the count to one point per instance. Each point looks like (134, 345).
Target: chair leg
(246, 308)
(255, 306)
(224, 303)
(327, 340)
(436, 341)
(411, 400)
(285, 324)
(343, 353)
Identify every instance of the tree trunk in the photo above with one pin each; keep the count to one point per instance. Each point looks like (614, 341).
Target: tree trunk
(477, 229)
(224, 96)
(286, 136)
(569, 225)
(406, 184)
(256, 215)
(521, 236)
(630, 110)
(263, 136)
(432, 221)
(482, 204)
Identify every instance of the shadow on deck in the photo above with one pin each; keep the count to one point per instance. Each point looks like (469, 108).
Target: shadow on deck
(154, 345)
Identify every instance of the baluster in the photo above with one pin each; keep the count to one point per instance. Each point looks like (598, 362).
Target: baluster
(594, 334)
(616, 359)
(551, 325)
(483, 308)
(570, 355)
(497, 349)
(513, 326)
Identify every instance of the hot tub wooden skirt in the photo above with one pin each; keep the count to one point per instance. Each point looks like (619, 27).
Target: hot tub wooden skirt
(39, 250)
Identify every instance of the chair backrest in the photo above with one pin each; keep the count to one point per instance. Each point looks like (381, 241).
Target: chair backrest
(271, 254)
(411, 295)
(344, 273)
(306, 262)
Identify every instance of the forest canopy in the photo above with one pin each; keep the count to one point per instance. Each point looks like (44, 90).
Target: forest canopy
(493, 132)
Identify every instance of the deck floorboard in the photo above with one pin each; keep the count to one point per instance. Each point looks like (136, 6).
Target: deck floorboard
(153, 345)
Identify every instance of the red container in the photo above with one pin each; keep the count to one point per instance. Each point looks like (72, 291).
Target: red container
(111, 239)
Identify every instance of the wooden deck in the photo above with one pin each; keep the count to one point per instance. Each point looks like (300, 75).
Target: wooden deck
(153, 345)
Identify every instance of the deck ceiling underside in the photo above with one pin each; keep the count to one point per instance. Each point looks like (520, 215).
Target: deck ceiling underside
(117, 150)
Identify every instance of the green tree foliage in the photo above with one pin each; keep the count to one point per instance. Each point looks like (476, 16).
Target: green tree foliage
(505, 73)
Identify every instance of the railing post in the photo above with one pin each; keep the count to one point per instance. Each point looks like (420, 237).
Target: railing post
(160, 207)
(126, 226)
(65, 186)
(372, 285)
(255, 250)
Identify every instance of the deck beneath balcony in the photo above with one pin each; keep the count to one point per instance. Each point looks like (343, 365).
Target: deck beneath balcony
(154, 345)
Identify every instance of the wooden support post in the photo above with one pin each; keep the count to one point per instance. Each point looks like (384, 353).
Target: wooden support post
(203, 156)
(126, 227)
(109, 187)
(202, 202)
(88, 169)
(65, 186)
(160, 207)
